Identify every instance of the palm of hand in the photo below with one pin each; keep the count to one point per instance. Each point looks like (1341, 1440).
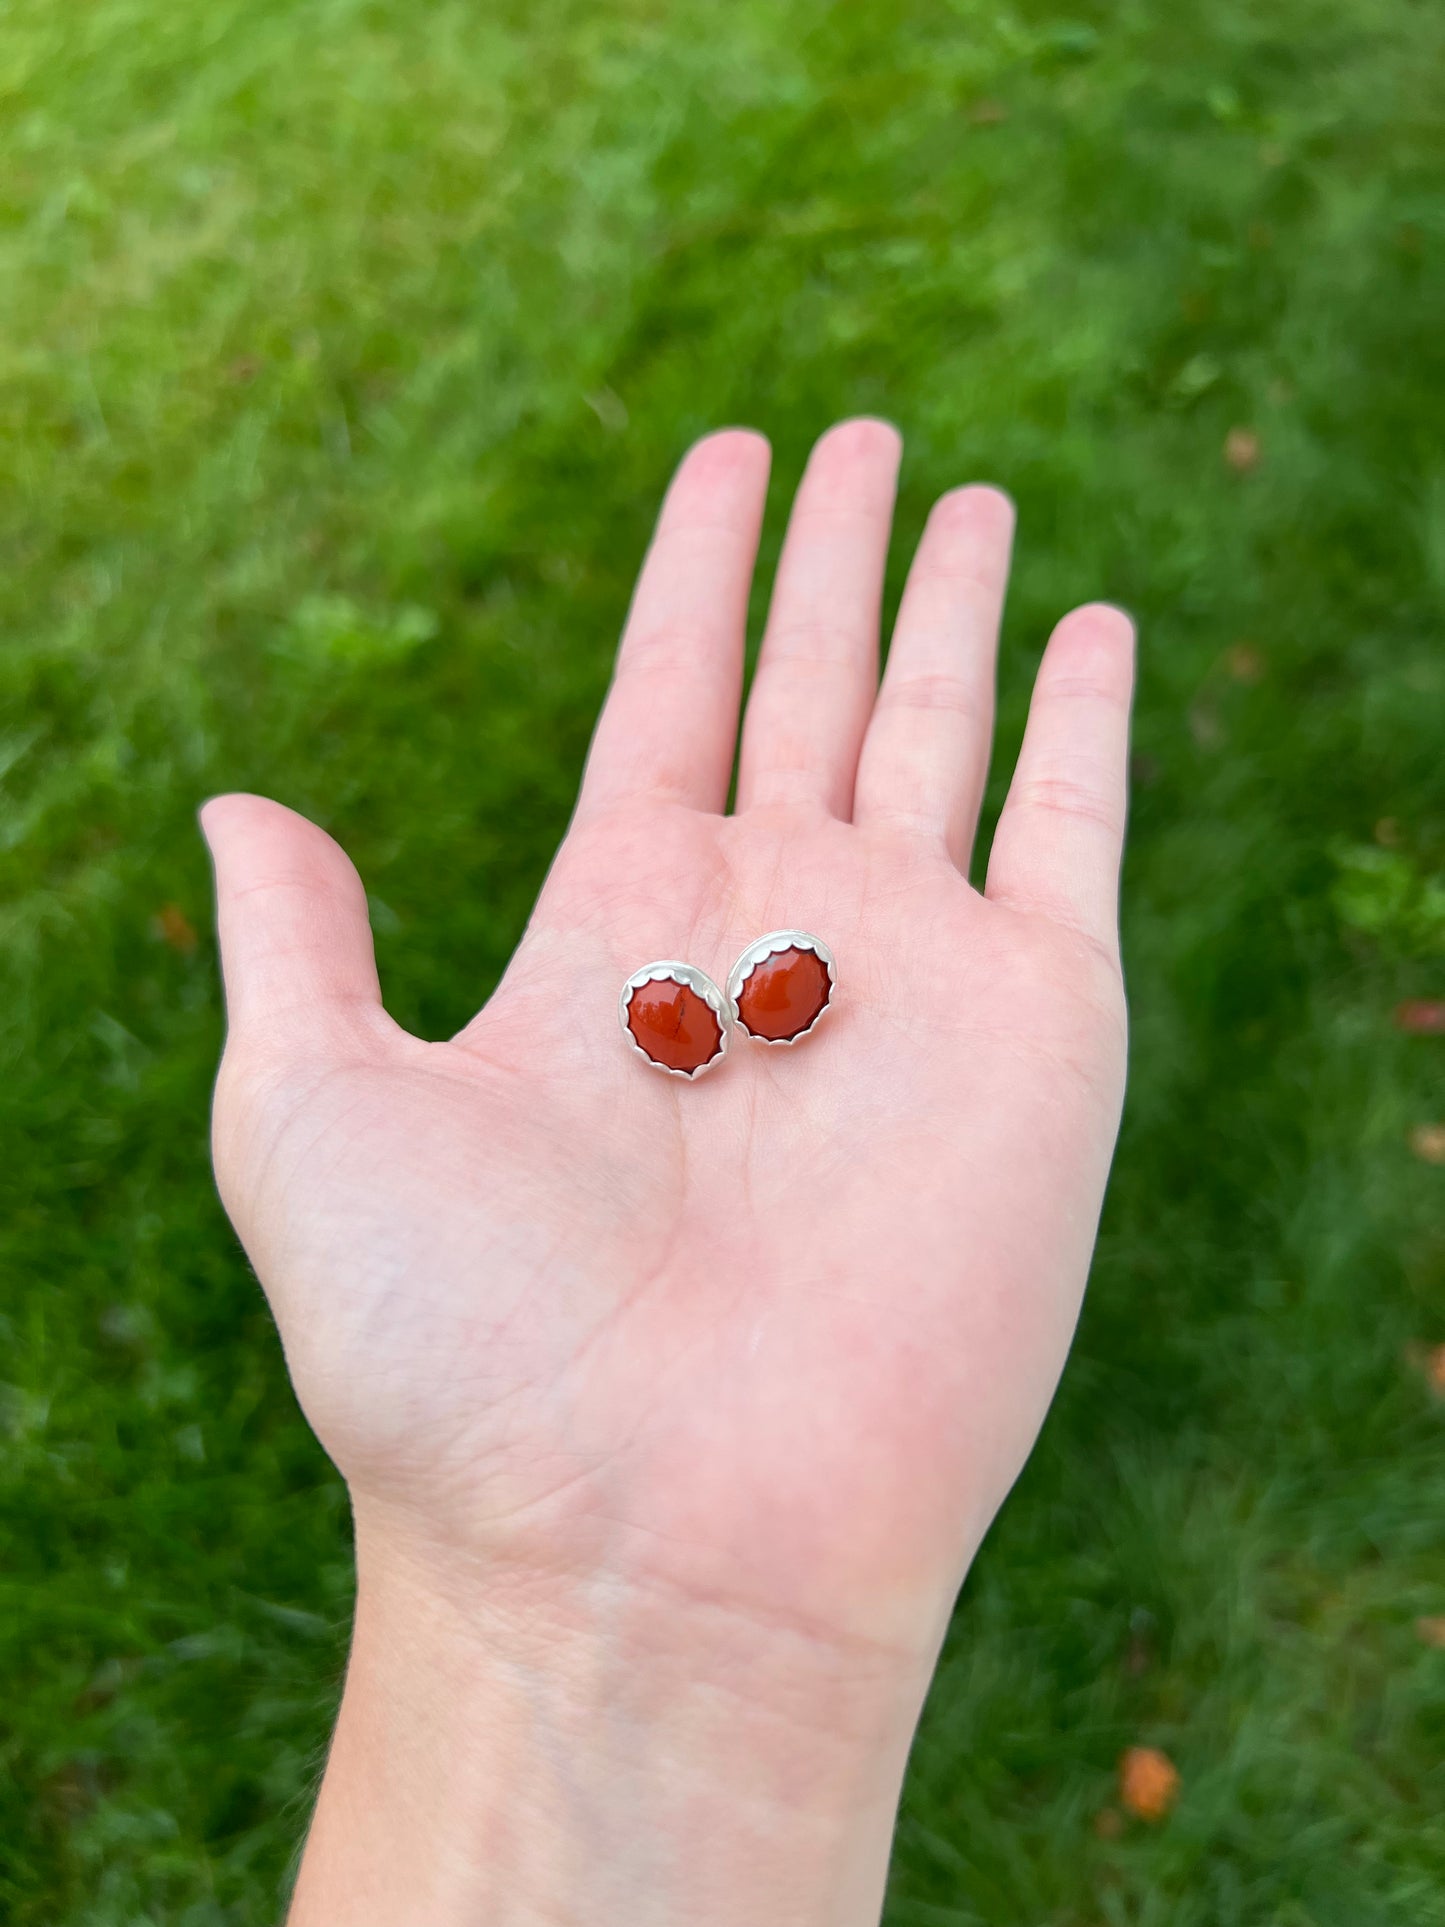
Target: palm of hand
(779, 1339)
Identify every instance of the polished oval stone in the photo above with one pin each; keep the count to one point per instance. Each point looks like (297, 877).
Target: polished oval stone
(673, 1025)
(784, 994)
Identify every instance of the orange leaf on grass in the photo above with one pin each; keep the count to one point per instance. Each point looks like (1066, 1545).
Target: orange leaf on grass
(174, 927)
(1148, 1782)
(1429, 1362)
(1427, 1141)
(1430, 1630)
(1244, 662)
(1421, 1016)
(1242, 450)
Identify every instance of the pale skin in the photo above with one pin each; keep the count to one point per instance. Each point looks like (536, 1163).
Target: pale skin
(673, 1412)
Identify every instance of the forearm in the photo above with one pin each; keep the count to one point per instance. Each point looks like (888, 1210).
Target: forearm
(614, 1761)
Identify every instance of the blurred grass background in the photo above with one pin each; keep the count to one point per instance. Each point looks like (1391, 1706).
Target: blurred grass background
(345, 347)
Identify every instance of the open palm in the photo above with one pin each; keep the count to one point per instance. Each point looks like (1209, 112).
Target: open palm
(779, 1339)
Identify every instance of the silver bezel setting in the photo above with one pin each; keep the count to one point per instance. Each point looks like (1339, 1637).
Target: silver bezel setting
(695, 980)
(769, 946)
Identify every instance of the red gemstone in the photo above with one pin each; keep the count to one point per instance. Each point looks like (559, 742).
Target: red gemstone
(784, 994)
(673, 1026)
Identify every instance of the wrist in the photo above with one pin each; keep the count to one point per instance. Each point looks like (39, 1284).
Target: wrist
(519, 1751)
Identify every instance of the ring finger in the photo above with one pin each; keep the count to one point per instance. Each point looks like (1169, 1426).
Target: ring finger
(925, 756)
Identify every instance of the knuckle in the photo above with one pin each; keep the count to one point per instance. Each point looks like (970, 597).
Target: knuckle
(674, 647)
(1080, 798)
(806, 642)
(937, 695)
(1084, 685)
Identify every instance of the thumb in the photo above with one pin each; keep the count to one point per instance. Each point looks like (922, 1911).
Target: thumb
(296, 945)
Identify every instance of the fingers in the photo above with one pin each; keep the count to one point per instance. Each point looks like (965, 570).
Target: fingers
(925, 756)
(1059, 840)
(817, 674)
(296, 950)
(669, 725)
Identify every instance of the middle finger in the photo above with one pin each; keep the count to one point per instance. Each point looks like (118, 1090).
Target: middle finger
(817, 672)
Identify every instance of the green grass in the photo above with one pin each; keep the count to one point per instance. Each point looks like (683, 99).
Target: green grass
(345, 346)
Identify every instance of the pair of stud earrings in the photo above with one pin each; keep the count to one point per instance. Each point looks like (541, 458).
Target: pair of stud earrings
(674, 1015)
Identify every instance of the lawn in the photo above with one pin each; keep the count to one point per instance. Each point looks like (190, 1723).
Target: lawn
(345, 346)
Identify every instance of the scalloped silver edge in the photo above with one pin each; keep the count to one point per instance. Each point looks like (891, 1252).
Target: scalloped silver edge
(697, 980)
(768, 946)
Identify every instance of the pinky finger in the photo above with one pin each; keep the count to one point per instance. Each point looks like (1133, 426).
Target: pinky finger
(1059, 841)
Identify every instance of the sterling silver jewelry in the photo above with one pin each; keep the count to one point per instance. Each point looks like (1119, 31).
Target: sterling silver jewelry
(776, 991)
(670, 1030)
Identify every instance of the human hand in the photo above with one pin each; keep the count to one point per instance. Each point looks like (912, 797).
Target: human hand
(686, 1405)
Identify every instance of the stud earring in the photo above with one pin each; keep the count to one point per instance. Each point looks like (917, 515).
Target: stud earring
(781, 985)
(676, 1017)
